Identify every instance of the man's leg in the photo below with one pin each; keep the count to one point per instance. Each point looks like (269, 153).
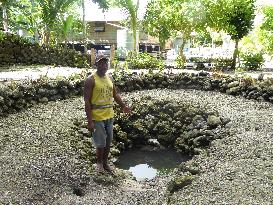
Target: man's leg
(105, 158)
(109, 132)
(99, 139)
(100, 157)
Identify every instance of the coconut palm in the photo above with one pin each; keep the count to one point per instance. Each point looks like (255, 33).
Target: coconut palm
(66, 28)
(4, 6)
(103, 4)
(132, 9)
(51, 9)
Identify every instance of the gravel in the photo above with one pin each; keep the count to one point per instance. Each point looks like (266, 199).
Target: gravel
(238, 169)
(39, 165)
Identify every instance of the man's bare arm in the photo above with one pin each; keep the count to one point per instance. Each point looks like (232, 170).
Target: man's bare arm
(117, 97)
(88, 92)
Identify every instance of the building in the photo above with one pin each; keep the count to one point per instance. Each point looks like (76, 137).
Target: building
(104, 29)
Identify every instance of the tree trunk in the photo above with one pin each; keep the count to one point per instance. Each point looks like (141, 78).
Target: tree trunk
(33, 23)
(181, 49)
(134, 29)
(133, 17)
(1, 19)
(235, 55)
(47, 37)
(5, 18)
(181, 53)
(36, 35)
(112, 55)
(162, 43)
(65, 43)
(84, 26)
(135, 39)
(71, 39)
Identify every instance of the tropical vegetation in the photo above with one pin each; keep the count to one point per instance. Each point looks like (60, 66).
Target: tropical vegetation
(54, 23)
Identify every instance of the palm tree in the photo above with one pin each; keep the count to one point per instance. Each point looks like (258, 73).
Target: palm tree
(103, 4)
(84, 26)
(33, 21)
(4, 5)
(66, 28)
(51, 9)
(132, 9)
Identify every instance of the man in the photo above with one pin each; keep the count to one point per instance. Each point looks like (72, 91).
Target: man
(99, 92)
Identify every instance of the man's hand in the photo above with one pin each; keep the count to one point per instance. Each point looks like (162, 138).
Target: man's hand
(126, 110)
(91, 126)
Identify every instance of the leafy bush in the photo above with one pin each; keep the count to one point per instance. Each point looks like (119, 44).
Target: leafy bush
(252, 61)
(222, 63)
(197, 59)
(200, 60)
(2, 36)
(15, 50)
(121, 53)
(219, 64)
(180, 61)
(218, 42)
(7, 37)
(143, 61)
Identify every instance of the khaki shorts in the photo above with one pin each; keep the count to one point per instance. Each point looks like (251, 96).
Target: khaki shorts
(103, 134)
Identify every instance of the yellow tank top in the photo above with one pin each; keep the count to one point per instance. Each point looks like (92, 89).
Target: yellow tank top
(102, 98)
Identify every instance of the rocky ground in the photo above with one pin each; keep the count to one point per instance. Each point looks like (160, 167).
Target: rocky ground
(36, 72)
(18, 73)
(236, 170)
(39, 165)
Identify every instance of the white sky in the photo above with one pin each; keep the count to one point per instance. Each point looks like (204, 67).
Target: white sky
(93, 13)
(265, 2)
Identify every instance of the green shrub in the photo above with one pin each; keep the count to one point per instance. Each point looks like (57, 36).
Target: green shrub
(222, 63)
(16, 50)
(218, 42)
(121, 53)
(199, 60)
(252, 61)
(2, 35)
(15, 39)
(180, 61)
(144, 61)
